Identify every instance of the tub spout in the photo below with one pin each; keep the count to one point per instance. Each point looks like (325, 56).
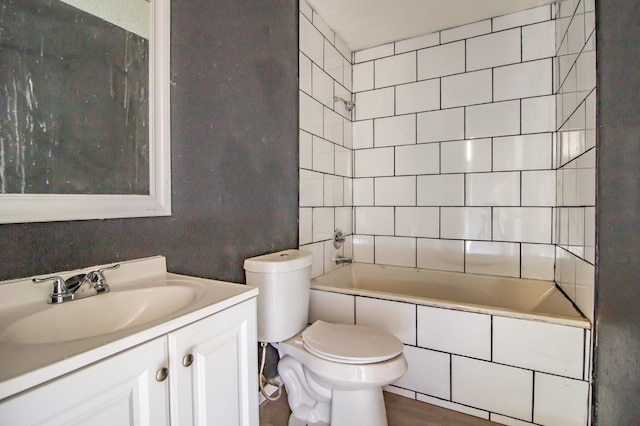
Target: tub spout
(341, 260)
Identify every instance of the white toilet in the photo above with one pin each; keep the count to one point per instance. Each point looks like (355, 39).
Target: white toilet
(333, 373)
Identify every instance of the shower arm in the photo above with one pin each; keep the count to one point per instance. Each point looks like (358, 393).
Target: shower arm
(349, 105)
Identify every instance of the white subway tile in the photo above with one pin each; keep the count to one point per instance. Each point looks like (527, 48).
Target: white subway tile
(473, 155)
(311, 41)
(344, 219)
(496, 119)
(442, 125)
(457, 332)
(585, 287)
(493, 50)
(539, 114)
(333, 127)
(586, 179)
(374, 220)
(522, 224)
(428, 373)
(363, 192)
(375, 104)
(333, 190)
(323, 225)
(373, 53)
(440, 190)
(305, 9)
(539, 188)
(538, 261)
(440, 61)
(322, 26)
(305, 226)
(551, 348)
(306, 150)
(363, 77)
(465, 223)
(363, 248)
(589, 234)
(418, 222)
(395, 191)
(508, 421)
(538, 41)
(492, 258)
(465, 31)
(331, 307)
(467, 89)
(343, 158)
(444, 255)
(525, 17)
(453, 406)
(560, 401)
(417, 159)
(317, 251)
(333, 62)
(523, 80)
(492, 387)
(397, 251)
(397, 318)
(363, 134)
(311, 115)
(416, 43)
(374, 162)
(418, 97)
(397, 69)
(304, 68)
(311, 188)
(391, 131)
(523, 152)
(493, 189)
(323, 155)
(345, 51)
(348, 134)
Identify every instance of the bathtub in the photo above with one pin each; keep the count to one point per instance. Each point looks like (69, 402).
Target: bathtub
(510, 297)
(514, 351)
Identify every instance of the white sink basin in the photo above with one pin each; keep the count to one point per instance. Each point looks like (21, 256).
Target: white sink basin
(99, 315)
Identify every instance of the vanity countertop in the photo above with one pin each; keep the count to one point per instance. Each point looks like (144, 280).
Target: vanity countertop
(24, 365)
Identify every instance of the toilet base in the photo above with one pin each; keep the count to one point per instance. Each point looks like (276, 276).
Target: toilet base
(361, 407)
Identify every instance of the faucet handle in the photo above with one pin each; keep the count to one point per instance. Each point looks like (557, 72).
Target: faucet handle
(98, 280)
(60, 292)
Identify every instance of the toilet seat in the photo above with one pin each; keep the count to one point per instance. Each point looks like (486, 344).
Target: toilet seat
(350, 344)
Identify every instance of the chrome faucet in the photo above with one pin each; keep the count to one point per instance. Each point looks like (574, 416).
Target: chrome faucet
(78, 286)
(341, 260)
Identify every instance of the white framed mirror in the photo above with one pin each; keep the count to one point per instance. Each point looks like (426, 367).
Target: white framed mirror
(93, 189)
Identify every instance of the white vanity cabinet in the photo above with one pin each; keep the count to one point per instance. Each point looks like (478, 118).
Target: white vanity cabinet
(213, 369)
(212, 379)
(121, 390)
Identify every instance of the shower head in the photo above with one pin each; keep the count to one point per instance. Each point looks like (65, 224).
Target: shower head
(349, 105)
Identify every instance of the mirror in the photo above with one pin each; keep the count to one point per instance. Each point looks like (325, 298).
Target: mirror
(84, 121)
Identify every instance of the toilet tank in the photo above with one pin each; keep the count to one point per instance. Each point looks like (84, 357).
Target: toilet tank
(283, 280)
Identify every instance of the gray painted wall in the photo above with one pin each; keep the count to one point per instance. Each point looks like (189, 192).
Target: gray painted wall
(617, 351)
(234, 108)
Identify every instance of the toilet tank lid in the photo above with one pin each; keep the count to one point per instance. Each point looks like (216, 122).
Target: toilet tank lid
(282, 261)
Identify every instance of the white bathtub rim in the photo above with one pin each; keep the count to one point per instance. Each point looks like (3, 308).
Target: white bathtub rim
(579, 321)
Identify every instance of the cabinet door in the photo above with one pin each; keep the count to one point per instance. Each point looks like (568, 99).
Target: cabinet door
(220, 385)
(121, 390)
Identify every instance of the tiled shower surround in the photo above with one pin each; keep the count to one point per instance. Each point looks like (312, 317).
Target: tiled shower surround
(471, 149)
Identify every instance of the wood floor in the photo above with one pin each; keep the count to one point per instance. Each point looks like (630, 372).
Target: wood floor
(400, 412)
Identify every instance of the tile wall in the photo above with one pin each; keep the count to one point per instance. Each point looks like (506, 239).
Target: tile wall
(508, 370)
(453, 149)
(575, 158)
(326, 147)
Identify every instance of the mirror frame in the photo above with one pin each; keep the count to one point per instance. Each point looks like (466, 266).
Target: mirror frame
(20, 208)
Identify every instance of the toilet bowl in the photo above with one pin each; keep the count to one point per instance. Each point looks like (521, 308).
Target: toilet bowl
(333, 373)
(330, 382)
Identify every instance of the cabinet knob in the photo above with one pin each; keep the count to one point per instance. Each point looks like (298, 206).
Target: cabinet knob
(162, 374)
(187, 360)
